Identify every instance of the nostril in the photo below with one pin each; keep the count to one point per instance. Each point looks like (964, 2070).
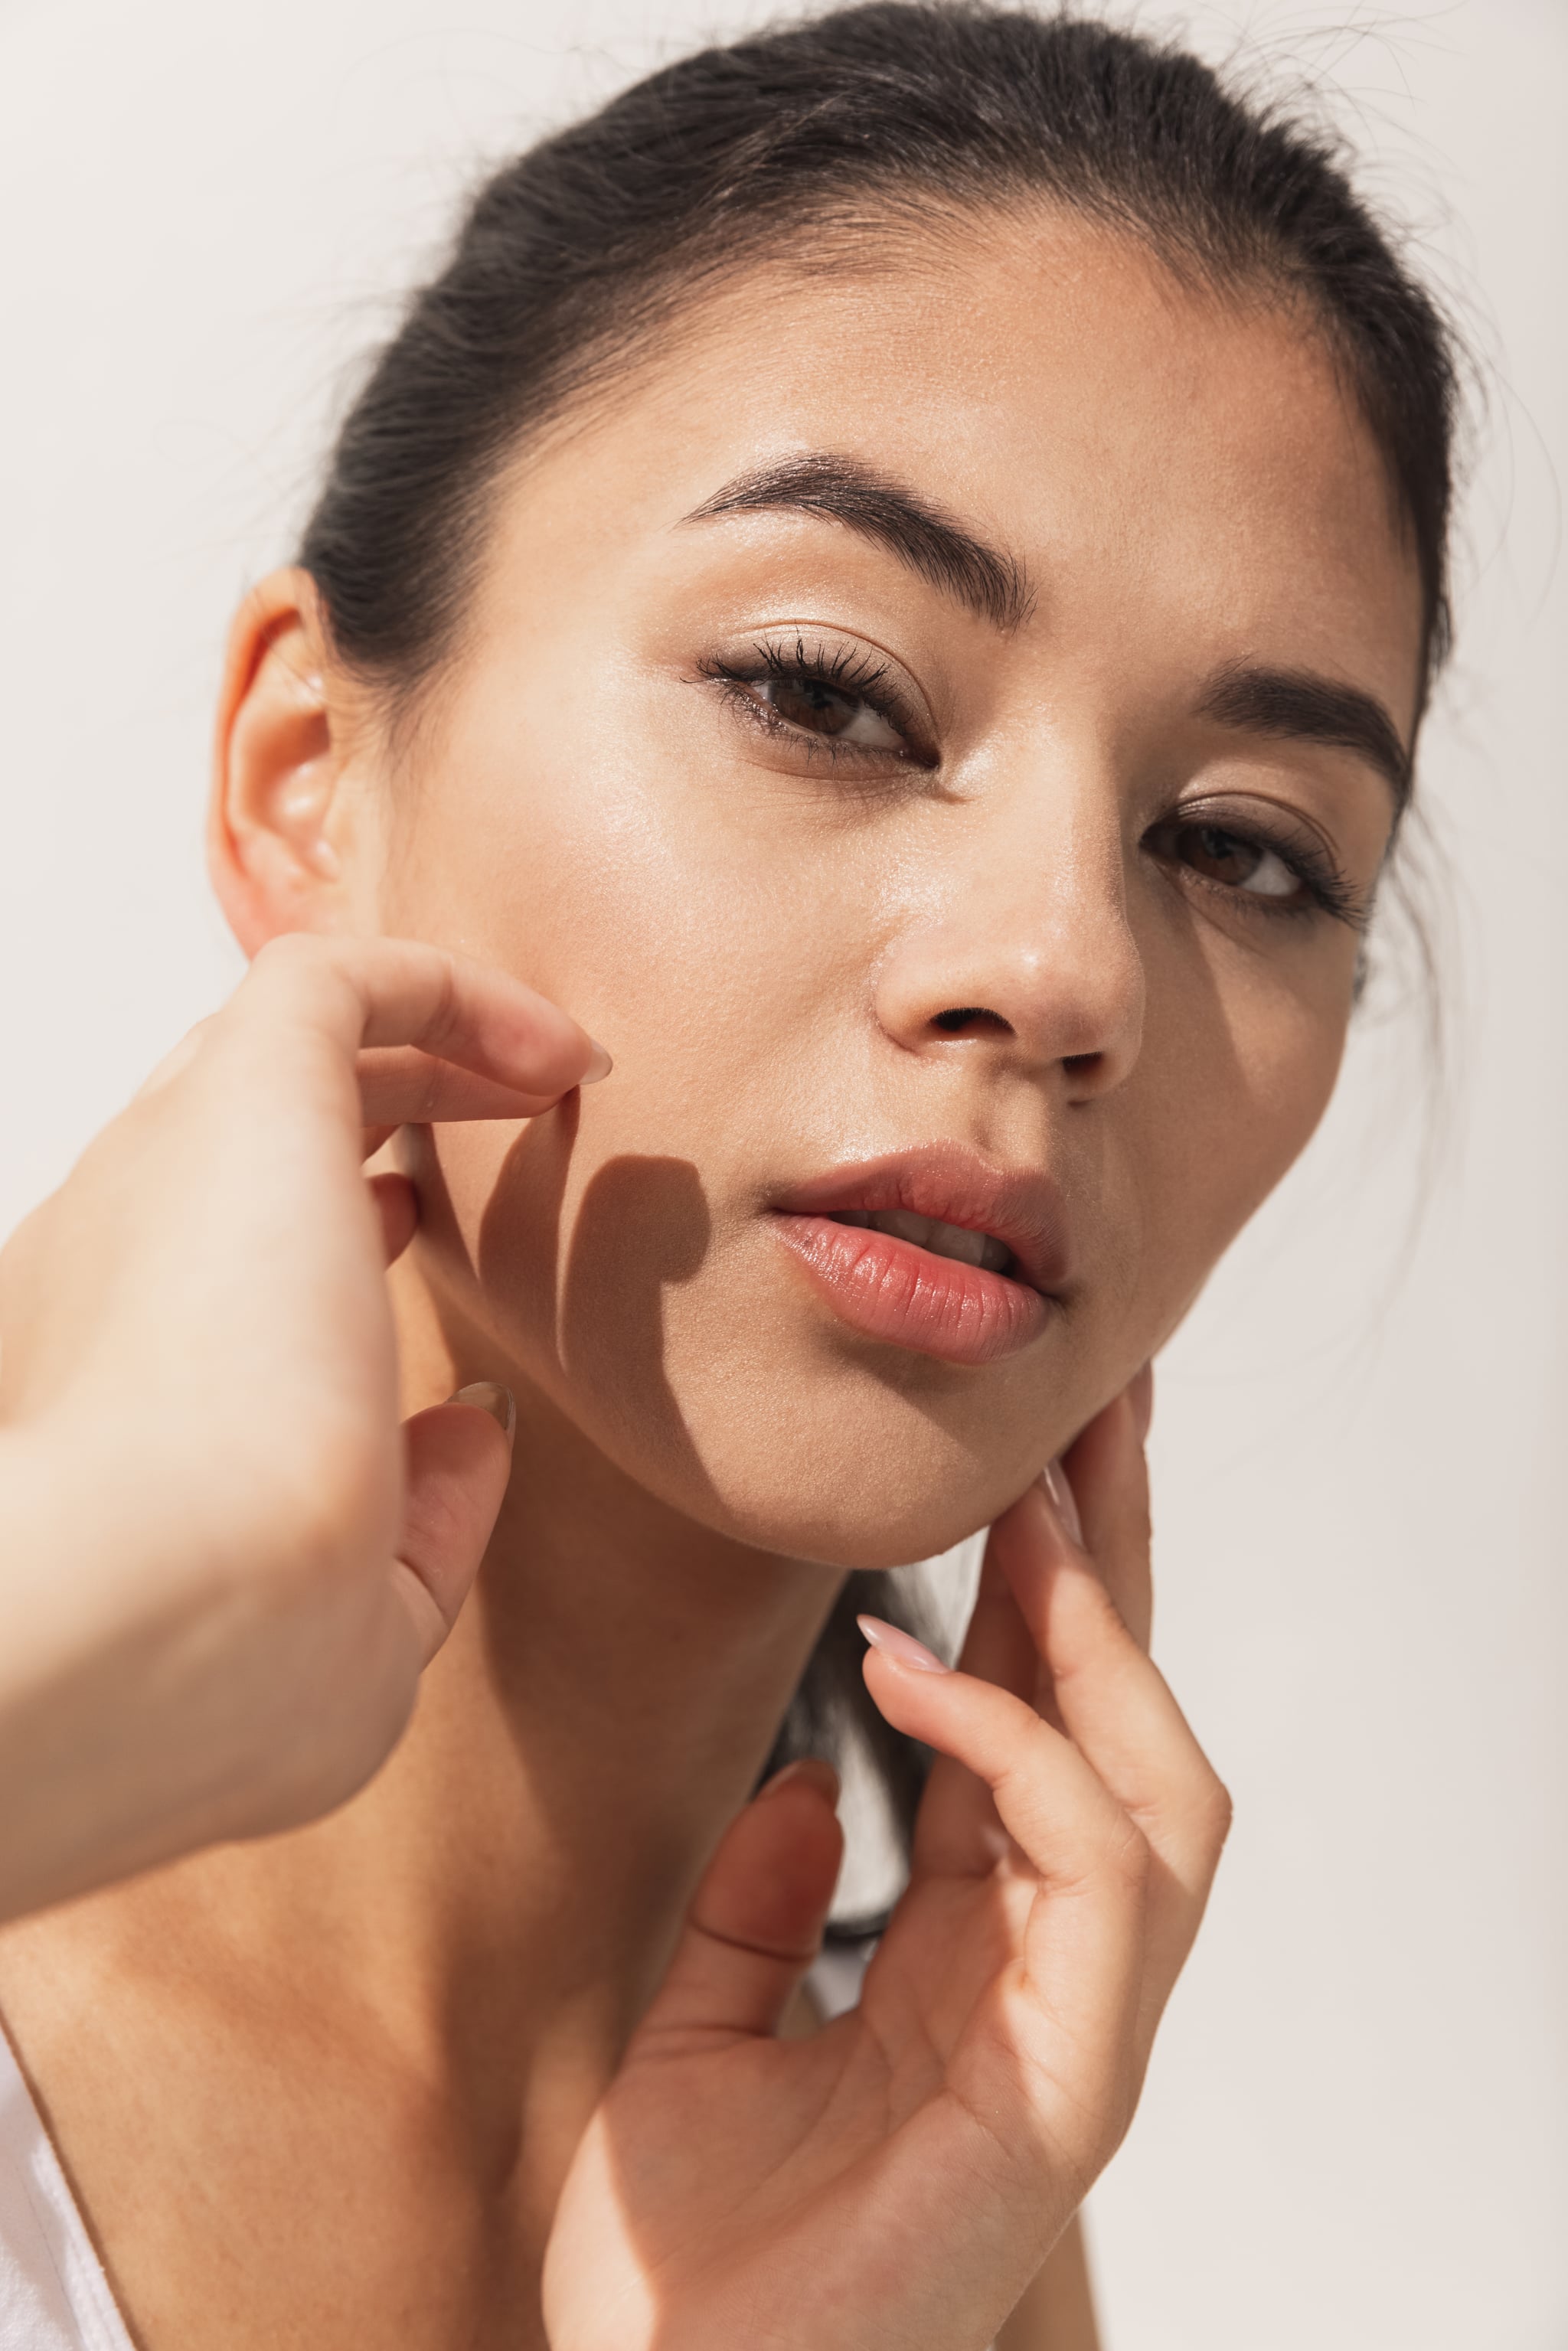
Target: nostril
(1081, 1065)
(971, 1020)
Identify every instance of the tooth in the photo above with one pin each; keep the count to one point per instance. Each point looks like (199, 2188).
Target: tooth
(951, 1240)
(906, 1225)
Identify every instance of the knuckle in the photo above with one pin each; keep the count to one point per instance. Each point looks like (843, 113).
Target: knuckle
(1216, 1811)
(1128, 1856)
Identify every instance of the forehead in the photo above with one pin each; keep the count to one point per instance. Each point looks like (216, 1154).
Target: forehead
(1156, 456)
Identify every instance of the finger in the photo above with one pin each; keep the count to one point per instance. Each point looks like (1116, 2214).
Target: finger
(459, 1458)
(957, 1832)
(1109, 1479)
(397, 1203)
(1119, 1711)
(1084, 1943)
(362, 994)
(401, 1086)
(756, 1924)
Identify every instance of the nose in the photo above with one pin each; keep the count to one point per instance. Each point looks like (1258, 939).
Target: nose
(1022, 951)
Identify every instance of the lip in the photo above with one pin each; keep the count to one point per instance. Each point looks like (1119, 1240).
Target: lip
(890, 1290)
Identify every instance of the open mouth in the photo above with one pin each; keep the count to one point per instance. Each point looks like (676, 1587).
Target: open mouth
(933, 1250)
(956, 1241)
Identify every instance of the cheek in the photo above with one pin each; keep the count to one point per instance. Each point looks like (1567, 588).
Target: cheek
(680, 926)
(718, 940)
(584, 843)
(1233, 1081)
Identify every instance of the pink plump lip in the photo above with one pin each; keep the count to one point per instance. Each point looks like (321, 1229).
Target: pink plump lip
(887, 1287)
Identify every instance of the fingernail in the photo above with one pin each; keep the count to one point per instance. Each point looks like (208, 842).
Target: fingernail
(901, 1646)
(815, 1770)
(600, 1066)
(1141, 1395)
(490, 1396)
(1054, 1478)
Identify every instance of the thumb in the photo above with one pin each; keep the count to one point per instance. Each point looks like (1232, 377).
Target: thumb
(459, 1456)
(756, 1924)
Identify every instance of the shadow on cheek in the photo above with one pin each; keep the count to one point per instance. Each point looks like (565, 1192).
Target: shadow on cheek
(643, 1227)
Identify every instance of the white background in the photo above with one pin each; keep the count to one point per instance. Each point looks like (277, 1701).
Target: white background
(1356, 2130)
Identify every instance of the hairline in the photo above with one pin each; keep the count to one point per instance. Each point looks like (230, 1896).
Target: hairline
(680, 296)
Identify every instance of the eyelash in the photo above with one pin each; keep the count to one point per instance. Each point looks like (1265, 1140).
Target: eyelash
(846, 672)
(1328, 890)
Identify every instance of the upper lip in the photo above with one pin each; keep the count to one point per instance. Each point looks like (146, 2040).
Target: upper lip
(1021, 1208)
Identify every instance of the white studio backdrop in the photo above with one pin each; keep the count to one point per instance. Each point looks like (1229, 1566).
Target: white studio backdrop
(1356, 2132)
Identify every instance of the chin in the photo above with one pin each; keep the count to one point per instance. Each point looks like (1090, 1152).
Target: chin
(859, 1466)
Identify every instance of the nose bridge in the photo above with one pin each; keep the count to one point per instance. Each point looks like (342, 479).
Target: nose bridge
(1022, 944)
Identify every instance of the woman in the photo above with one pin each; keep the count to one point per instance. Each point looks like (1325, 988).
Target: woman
(894, 578)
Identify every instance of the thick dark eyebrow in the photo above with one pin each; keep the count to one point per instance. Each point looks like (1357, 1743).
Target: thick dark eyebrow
(941, 551)
(1302, 706)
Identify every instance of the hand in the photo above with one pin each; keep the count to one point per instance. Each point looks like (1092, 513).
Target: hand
(897, 2179)
(226, 1565)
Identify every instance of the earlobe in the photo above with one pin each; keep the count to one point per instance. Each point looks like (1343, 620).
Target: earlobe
(279, 760)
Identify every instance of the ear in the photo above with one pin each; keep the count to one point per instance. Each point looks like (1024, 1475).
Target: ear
(281, 819)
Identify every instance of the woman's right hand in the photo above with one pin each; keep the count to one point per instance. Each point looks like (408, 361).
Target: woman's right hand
(897, 2179)
(224, 1563)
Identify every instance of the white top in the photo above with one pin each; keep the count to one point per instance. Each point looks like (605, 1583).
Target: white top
(54, 2296)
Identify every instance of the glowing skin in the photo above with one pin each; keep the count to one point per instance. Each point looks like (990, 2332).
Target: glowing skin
(767, 928)
(1010, 899)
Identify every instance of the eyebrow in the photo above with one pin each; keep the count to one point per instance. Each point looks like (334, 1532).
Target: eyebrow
(1298, 706)
(983, 578)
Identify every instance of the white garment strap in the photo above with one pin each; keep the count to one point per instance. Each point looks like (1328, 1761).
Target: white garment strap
(54, 2296)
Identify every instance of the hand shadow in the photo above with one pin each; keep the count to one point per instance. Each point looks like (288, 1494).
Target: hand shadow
(641, 1226)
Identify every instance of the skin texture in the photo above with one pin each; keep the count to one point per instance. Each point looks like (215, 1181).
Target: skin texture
(807, 923)
(355, 2090)
(216, 1618)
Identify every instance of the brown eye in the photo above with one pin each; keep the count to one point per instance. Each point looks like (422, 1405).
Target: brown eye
(818, 709)
(1230, 859)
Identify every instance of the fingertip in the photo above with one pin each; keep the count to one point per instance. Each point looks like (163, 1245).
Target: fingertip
(397, 1205)
(1141, 1396)
(814, 1772)
(899, 1647)
(1058, 1488)
(489, 1395)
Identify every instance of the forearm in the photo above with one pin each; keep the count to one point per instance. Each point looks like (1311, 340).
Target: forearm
(104, 1770)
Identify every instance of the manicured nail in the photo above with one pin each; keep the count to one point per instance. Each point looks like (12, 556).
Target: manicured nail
(490, 1396)
(1054, 1478)
(599, 1067)
(901, 1646)
(814, 1770)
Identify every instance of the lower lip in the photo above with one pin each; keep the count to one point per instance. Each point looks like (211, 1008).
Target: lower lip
(908, 1297)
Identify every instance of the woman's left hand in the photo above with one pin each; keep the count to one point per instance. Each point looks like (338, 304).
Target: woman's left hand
(897, 2179)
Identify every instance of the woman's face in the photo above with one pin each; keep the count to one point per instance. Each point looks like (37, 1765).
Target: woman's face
(939, 728)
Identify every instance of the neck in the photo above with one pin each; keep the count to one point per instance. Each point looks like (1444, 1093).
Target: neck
(502, 1901)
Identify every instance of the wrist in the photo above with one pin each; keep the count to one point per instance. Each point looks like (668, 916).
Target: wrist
(93, 1783)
